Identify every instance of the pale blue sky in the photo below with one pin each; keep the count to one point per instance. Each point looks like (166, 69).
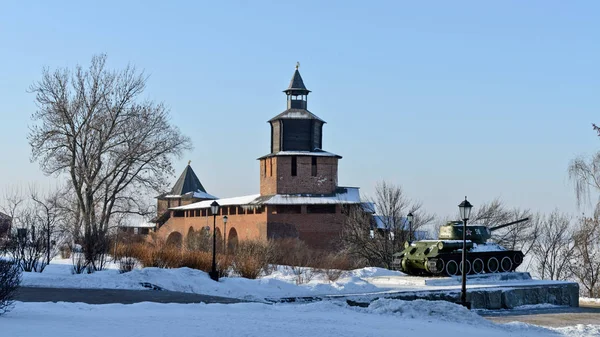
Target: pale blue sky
(447, 99)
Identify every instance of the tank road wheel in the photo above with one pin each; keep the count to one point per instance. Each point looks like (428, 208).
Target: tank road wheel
(468, 267)
(517, 259)
(435, 266)
(478, 266)
(492, 265)
(451, 268)
(506, 264)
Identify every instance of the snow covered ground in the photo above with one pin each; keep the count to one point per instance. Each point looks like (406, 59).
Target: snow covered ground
(328, 318)
(281, 283)
(381, 318)
(589, 300)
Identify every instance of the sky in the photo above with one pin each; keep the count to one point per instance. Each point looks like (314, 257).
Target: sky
(445, 99)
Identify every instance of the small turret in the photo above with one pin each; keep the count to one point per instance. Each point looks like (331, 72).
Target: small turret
(477, 234)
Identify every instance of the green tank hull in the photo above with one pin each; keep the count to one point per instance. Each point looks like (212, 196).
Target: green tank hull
(444, 256)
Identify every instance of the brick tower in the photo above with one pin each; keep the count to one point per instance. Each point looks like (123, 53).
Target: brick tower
(297, 164)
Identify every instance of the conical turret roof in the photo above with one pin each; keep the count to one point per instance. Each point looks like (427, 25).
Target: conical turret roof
(187, 182)
(297, 86)
(297, 83)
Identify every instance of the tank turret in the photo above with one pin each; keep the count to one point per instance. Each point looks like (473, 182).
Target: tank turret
(443, 256)
(477, 234)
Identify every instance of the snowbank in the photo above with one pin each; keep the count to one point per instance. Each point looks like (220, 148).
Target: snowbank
(589, 300)
(281, 283)
(383, 318)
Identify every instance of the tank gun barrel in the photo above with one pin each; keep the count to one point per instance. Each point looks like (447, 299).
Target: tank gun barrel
(508, 224)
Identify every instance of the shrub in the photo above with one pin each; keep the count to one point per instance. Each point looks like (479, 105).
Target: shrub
(160, 255)
(334, 266)
(298, 256)
(305, 262)
(65, 252)
(28, 250)
(251, 258)
(123, 254)
(127, 264)
(224, 263)
(10, 278)
(196, 260)
(79, 263)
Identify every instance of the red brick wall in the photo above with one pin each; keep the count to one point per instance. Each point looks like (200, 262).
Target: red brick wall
(281, 181)
(247, 226)
(317, 230)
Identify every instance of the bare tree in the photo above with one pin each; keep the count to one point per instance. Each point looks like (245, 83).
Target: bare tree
(35, 219)
(585, 264)
(92, 126)
(375, 239)
(10, 279)
(554, 248)
(49, 215)
(586, 177)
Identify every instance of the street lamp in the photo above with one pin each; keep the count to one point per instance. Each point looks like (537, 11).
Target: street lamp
(225, 234)
(410, 217)
(214, 208)
(465, 212)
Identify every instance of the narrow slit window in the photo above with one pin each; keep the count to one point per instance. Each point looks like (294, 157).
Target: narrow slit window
(314, 166)
(294, 166)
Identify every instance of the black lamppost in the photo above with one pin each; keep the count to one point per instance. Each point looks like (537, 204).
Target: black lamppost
(225, 234)
(214, 208)
(410, 218)
(465, 212)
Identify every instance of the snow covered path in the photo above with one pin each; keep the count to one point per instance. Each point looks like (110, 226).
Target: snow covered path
(382, 318)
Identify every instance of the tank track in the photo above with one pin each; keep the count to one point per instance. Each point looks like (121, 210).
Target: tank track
(449, 264)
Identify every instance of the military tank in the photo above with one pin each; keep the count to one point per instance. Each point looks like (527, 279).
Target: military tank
(443, 257)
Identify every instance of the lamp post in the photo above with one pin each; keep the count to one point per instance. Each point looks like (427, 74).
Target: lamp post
(465, 211)
(214, 208)
(410, 217)
(225, 234)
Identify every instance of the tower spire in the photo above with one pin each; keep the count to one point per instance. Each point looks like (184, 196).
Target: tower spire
(296, 91)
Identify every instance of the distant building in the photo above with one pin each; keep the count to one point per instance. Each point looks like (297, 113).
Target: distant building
(5, 226)
(385, 224)
(299, 193)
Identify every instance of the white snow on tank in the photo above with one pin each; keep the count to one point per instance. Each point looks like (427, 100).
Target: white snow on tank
(487, 247)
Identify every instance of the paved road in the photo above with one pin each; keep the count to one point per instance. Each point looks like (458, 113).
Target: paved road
(104, 296)
(554, 317)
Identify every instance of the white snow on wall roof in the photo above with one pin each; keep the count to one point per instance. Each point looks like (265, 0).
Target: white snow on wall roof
(145, 224)
(244, 200)
(351, 196)
(197, 194)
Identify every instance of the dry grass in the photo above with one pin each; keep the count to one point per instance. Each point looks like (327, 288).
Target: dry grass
(251, 258)
(164, 256)
(334, 266)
